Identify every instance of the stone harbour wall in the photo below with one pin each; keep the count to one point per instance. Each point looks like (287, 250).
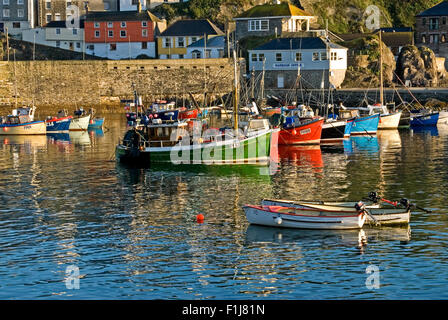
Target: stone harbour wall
(71, 84)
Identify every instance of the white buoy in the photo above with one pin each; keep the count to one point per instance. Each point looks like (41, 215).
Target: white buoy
(278, 220)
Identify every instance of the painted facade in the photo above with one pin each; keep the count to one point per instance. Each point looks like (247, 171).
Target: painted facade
(16, 15)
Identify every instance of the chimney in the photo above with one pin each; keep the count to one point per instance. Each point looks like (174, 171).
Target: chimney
(139, 6)
(86, 6)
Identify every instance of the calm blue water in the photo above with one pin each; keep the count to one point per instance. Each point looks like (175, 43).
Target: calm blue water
(132, 233)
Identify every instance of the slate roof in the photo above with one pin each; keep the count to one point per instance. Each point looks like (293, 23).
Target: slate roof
(188, 28)
(62, 24)
(144, 15)
(274, 10)
(440, 9)
(215, 42)
(296, 44)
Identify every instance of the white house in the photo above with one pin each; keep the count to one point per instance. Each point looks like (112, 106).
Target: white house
(316, 60)
(212, 48)
(55, 34)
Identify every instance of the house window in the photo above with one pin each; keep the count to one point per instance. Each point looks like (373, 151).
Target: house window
(280, 81)
(254, 57)
(57, 17)
(75, 31)
(110, 24)
(58, 31)
(144, 33)
(91, 47)
(144, 24)
(443, 38)
(97, 24)
(208, 53)
(298, 56)
(194, 39)
(196, 54)
(423, 38)
(16, 25)
(113, 47)
(123, 24)
(58, 43)
(144, 45)
(78, 45)
(106, 6)
(135, 2)
(258, 25)
(180, 42)
(19, 1)
(181, 56)
(48, 17)
(333, 56)
(48, 5)
(167, 42)
(20, 13)
(315, 56)
(444, 20)
(278, 57)
(123, 33)
(69, 3)
(323, 56)
(434, 24)
(110, 33)
(261, 57)
(424, 22)
(97, 33)
(6, 2)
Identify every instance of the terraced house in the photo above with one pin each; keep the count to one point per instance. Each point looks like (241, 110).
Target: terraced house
(122, 34)
(431, 29)
(173, 42)
(16, 15)
(276, 19)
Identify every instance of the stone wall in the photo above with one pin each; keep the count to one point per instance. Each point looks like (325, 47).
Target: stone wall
(71, 84)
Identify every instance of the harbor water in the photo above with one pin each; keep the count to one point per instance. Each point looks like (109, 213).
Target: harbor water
(75, 224)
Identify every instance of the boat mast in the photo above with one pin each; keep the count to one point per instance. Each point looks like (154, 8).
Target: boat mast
(381, 72)
(235, 95)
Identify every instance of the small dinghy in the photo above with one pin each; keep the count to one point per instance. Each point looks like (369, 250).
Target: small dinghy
(375, 213)
(305, 218)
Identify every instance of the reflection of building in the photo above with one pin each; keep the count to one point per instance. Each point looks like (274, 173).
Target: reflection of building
(16, 15)
(281, 59)
(431, 28)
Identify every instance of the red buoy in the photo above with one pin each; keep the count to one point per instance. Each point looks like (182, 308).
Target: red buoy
(200, 218)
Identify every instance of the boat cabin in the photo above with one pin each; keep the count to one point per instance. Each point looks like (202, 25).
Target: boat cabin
(348, 114)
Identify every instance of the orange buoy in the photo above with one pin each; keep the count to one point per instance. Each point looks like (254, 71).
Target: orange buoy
(200, 218)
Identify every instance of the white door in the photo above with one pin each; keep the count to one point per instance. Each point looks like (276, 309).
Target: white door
(280, 81)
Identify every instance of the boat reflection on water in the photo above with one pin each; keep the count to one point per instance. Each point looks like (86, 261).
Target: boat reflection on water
(96, 133)
(389, 140)
(363, 144)
(358, 238)
(261, 234)
(26, 143)
(80, 138)
(433, 131)
(303, 156)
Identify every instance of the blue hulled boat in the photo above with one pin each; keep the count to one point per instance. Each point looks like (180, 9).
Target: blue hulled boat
(423, 120)
(56, 124)
(365, 125)
(96, 123)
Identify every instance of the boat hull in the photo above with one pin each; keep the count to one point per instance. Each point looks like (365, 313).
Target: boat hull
(306, 219)
(336, 131)
(384, 216)
(96, 123)
(424, 120)
(188, 114)
(58, 125)
(35, 127)
(80, 124)
(390, 121)
(309, 133)
(254, 150)
(365, 125)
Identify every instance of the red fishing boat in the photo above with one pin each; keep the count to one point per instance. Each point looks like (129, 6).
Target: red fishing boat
(188, 114)
(301, 132)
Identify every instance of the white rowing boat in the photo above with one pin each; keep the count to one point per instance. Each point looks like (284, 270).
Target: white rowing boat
(304, 218)
(381, 215)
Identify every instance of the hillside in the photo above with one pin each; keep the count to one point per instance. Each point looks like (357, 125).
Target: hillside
(344, 16)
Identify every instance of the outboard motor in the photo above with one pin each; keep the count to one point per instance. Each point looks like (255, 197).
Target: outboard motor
(374, 196)
(405, 203)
